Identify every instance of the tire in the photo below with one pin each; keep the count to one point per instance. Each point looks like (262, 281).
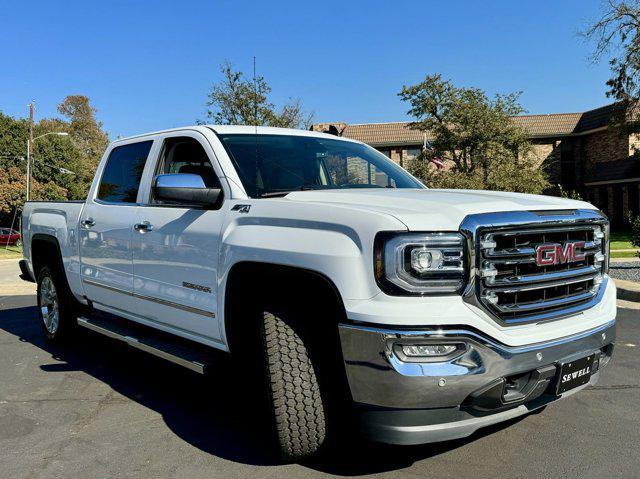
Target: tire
(296, 400)
(57, 313)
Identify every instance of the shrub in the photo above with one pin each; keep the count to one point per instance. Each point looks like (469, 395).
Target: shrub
(635, 232)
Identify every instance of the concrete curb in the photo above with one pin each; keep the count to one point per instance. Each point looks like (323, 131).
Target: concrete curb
(628, 290)
(624, 260)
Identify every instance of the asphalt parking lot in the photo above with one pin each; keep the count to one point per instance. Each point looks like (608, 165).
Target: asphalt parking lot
(96, 409)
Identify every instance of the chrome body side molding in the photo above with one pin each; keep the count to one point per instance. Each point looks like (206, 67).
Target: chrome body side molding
(183, 307)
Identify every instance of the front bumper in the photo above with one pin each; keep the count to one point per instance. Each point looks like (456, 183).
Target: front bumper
(404, 402)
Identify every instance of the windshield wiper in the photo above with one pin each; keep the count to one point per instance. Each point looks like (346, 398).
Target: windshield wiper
(274, 194)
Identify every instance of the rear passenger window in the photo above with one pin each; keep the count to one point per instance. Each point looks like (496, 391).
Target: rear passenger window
(122, 173)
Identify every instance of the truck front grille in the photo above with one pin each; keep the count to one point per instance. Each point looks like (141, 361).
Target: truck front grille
(519, 282)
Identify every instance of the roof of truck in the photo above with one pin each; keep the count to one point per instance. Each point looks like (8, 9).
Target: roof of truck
(243, 129)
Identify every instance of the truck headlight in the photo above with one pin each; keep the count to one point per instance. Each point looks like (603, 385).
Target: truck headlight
(420, 263)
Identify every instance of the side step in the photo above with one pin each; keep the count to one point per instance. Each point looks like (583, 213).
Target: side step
(180, 351)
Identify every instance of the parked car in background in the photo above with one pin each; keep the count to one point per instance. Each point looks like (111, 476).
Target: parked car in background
(9, 237)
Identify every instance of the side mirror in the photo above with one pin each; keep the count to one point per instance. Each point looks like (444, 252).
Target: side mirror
(184, 188)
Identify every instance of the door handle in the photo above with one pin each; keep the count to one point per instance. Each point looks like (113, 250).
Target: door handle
(88, 223)
(143, 227)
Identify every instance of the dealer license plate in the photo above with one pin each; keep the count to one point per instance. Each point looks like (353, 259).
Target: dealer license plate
(575, 373)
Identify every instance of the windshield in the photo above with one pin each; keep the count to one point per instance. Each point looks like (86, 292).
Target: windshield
(274, 165)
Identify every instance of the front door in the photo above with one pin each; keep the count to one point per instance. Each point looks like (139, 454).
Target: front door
(176, 248)
(105, 230)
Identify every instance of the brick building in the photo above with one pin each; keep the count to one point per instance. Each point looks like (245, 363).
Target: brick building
(578, 150)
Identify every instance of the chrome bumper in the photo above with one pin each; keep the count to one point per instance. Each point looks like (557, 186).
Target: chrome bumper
(415, 402)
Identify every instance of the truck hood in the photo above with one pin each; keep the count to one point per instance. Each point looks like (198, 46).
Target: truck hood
(432, 209)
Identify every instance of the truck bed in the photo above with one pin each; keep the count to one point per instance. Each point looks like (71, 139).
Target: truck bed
(58, 219)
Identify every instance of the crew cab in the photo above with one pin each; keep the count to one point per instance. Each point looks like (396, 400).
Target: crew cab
(423, 314)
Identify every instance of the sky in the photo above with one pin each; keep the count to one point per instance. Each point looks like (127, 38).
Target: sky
(148, 65)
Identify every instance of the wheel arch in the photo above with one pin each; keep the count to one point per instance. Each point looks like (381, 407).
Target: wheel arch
(271, 279)
(43, 248)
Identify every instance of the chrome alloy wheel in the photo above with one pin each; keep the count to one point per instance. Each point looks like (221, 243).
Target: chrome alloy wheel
(49, 305)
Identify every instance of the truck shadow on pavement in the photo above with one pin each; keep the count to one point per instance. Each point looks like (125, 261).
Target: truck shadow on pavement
(213, 413)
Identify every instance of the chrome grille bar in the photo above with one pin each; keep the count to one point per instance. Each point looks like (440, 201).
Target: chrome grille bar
(590, 247)
(536, 286)
(509, 308)
(542, 277)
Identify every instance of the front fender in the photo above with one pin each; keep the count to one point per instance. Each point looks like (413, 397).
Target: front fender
(335, 251)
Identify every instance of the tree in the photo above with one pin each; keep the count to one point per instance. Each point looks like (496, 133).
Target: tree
(617, 32)
(13, 192)
(237, 100)
(84, 129)
(474, 135)
(52, 156)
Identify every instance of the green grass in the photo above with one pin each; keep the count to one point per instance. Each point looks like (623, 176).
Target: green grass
(624, 254)
(621, 240)
(9, 252)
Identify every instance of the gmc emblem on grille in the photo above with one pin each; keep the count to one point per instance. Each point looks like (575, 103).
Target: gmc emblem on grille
(549, 254)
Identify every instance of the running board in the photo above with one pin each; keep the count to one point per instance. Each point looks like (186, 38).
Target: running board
(177, 350)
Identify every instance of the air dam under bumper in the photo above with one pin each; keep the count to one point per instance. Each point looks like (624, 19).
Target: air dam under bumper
(403, 401)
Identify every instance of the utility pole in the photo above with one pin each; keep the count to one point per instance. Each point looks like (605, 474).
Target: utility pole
(29, 149)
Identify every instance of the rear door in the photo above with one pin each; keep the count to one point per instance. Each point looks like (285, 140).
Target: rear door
(106, 228)
(176, 248)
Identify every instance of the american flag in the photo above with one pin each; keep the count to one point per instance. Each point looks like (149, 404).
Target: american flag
(426, 146)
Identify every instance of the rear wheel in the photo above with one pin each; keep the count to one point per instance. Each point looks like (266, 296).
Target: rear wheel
(56, 306)
(296, 400)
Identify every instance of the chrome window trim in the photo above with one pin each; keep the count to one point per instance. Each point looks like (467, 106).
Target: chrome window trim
(472, 225)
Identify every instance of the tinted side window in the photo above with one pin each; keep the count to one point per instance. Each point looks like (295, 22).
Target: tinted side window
(122, 173)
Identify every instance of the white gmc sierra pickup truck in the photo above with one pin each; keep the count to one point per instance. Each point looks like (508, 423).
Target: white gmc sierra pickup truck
(427, 314)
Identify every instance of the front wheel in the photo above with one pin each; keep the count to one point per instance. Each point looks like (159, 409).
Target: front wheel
(296, 399)
(55, 304)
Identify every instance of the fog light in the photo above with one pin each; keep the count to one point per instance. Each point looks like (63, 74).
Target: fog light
(428, 350)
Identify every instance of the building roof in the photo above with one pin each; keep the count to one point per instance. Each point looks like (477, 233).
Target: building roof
(384, 134)
(549, 125)
(539, 126)
(597, 118)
